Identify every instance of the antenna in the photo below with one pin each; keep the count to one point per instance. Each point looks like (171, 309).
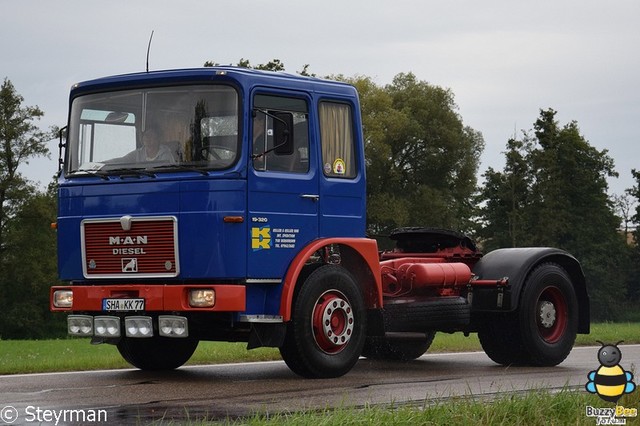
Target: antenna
(148, 49)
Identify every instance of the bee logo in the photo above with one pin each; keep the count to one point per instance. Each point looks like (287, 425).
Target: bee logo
(610, 381)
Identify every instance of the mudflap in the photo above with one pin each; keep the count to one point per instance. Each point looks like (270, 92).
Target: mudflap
(266, 335)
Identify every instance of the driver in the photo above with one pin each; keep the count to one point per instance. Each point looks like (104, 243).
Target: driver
(151, 150)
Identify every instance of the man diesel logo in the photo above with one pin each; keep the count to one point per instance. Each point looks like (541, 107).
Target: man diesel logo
(129, 265)
(128, 242)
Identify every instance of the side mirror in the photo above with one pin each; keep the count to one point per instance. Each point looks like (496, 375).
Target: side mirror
(283, 133)
(62, 145)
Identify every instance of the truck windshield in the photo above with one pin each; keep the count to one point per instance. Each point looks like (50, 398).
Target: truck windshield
(154, 130)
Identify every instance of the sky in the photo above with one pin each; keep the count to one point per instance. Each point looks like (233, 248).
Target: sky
(503, 60)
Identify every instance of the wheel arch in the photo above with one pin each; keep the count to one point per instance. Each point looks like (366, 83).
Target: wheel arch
(359, 256)
(517, 263)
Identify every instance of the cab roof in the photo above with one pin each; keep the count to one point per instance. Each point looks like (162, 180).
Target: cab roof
(245, 78)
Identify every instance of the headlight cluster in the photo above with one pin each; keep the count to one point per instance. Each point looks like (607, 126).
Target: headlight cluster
(134, 326)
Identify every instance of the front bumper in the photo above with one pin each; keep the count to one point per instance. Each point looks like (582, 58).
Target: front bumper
(157, 298)
(92, 317)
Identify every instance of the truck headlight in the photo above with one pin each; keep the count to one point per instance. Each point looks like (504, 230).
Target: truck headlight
(63, 298)
(107, 326)
(138, 326)
(80, 325)
(173, 326)
(202, 298)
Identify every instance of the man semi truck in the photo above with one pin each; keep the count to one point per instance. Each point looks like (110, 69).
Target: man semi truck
(228, 204)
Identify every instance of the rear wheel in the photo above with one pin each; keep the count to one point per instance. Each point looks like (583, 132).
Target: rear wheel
(156, 353)
(398, 348)
(326, 333)
(543, 330)
(548, 315)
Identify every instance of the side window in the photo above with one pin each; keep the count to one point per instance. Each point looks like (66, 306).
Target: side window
(336, 131)
(280, 134)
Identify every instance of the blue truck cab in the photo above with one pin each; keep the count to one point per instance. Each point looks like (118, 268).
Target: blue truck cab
(241, 168)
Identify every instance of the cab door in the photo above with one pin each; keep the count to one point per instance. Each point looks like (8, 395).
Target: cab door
(283, 191)
(342, 179)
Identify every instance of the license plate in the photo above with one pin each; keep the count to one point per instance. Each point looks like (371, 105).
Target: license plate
(123, 305)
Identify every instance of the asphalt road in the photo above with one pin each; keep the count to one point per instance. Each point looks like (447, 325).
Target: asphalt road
(218, 391)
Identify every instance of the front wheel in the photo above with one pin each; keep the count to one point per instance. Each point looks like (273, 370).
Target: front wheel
(328, 326)
(156, 353)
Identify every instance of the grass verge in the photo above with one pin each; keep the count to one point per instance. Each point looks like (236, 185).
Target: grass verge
(567, 407)
(38, 356)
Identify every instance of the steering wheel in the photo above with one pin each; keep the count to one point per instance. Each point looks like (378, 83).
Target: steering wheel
(208, 152)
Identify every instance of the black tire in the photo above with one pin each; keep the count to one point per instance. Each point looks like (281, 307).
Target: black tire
(397, 348)
(156, 353)
(548, 314)
(327, 330)
(543, 329)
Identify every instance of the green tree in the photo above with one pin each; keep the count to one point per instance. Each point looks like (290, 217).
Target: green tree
(30, 268)
(23, 290)
(20, 140)
(421, 158)
(553, 192)
(504, 198)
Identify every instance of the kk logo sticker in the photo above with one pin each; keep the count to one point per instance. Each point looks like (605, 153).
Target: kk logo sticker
(261, 238)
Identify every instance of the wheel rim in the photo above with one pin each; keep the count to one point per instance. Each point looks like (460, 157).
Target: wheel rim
(551, 314)
(332, 322)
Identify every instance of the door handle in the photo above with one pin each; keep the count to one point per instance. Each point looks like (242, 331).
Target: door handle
(312, 197)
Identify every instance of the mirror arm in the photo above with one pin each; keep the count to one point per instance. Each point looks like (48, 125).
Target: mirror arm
(255, 156)
(286, 134)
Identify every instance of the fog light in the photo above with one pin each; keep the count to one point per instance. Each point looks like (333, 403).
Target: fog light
(138, 326)
(80, 325)
(202, 298)
(107, 326)
(63, 298)
(173, 326)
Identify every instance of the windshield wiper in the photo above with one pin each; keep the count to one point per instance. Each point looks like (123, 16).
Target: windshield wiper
(100, 174)
(92, 169)
(136, 172)
(182, 167)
